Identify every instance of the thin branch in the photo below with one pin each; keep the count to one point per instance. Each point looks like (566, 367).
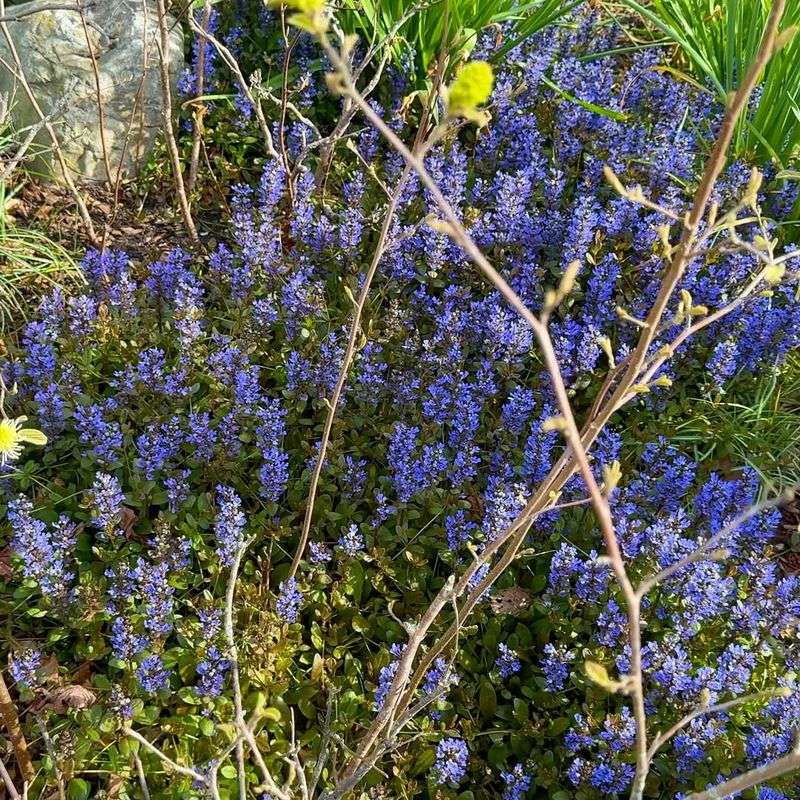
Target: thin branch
(9, 784)
(233, 655)
(660, 739)
(705, 550)
(173, 765)
(347, 360)
(770, 771)
(44, 7)
(199, 108)
(51, 751)
(19, 74)
(8, 711)
(101, 120)
(233, 65)
(167, 122)
(140, 774)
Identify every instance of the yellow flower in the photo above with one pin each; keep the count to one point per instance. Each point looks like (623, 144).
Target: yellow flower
(471, 88)
(307, 6)
(310, 17)
(12, 436)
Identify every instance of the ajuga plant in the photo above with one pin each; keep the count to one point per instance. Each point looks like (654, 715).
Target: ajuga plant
(719, 41)
(331, 513)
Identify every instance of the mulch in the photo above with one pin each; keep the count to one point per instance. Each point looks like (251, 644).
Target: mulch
(143, 229)
(787, 535)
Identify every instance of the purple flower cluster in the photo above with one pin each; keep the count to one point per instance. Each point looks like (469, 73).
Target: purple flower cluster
(211, 673)
(352, 541)
(507, 662)
(517, 783)
(45, 552)
(24, 667)
(289, 600)
(452, 758)
(201, 378)
(106, 499)
(152, 675)
(229, 524)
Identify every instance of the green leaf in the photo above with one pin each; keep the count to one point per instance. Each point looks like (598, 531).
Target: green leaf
(78, 789)
(487, 699)
(354, 583)
(207, 727)
(593, 107)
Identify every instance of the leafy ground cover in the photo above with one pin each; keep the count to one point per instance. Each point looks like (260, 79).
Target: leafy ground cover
(184, 397)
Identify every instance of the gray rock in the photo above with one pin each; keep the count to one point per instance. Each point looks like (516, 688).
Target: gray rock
(55, 56)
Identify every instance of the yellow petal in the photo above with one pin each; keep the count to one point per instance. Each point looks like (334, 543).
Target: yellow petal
(471, 88)
(32, 436)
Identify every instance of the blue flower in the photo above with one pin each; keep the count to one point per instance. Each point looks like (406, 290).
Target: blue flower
(152, 675)
(24, 667)
(211, 672)
(517, 783)
(229, 524)
(507, 662)
(352, 541)
(452, 758)
(106, 502)
(45, 552)
(289, 600)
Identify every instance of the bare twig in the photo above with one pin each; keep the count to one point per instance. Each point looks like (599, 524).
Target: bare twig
(347, 359)
(660, 739)
(173, 765)
(287, 56)
(705, 550)
(19, 74)
(101, 121)
(10, 166)
(244, 86)
(199, 108)
(140, 774)
(167, 122)
(51, 751)
(770, 771)
(241, 724)
(8, 711)
(44, 7)
(9, 784)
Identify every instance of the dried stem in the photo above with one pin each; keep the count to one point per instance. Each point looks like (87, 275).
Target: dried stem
(706, 548)
(241, 724)
(660, 739)
(234, 67)
(101, 118)
(770, 771)
(44, 7)
(173, 765)
(287, 59)
(51, 751)
(8, 711)
(140, 774)
(19, 74)
(167, 121)
(8, 783)
(347, 358)
(199, 108)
